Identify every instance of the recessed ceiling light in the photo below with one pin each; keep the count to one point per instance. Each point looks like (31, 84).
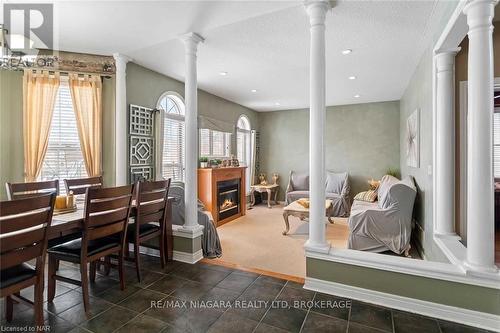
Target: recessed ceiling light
(254, 90)
(223, 73)
(346, 51)
(277, 104)
(357, 96)
(352, 77)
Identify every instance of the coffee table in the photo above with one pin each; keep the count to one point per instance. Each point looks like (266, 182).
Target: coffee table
(297, 210)
(269, 189)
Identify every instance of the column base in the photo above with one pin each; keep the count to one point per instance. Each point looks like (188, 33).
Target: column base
(317, 247)
(480, 268)
(190, 231)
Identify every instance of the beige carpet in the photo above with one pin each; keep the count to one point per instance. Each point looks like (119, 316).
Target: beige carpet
(255, 241)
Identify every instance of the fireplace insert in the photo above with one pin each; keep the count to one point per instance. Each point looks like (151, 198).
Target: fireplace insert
(228, 198)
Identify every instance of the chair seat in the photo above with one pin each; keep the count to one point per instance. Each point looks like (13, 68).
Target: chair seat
(16, 274)
(73, 248)
(144, 229)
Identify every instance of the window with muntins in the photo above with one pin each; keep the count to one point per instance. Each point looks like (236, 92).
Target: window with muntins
(64, 158)
(174, 140)
(215, 144)
(243, 146)
(496, 136)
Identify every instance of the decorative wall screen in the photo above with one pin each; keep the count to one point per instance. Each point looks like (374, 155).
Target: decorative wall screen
(141, 143)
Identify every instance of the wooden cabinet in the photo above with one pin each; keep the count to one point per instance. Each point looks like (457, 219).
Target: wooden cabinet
(213, 185)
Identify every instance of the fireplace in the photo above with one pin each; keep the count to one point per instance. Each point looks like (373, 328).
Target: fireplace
(228, 198)
(223, 192)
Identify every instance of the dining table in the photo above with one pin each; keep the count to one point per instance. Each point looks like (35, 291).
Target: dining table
(67, 223)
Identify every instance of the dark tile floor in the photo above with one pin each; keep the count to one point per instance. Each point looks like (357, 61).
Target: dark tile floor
(235, 301)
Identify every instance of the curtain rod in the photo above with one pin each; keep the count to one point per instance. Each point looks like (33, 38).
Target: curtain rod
(66, 72)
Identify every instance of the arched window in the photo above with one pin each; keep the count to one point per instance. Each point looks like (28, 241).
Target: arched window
(243, 146)
(173, 157)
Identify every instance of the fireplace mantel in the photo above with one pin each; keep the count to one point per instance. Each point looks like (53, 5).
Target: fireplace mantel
(208, 180)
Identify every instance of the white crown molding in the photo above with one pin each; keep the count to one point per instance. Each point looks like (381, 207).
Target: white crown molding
(440, 311)
(189, 258)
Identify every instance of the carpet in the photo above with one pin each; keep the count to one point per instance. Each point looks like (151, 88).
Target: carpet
(255, 240)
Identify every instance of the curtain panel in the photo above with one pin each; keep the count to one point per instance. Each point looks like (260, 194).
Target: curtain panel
(86, 94)
(39, 96)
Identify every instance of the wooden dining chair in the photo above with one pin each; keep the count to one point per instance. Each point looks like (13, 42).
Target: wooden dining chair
(106, 217)
(151, 211)
(24, 225)
(28, 190)
(79, 186)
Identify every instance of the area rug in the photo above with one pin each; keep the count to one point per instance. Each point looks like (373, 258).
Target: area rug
(256, 241)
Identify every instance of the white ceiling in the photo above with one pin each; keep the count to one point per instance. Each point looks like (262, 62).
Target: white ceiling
(263, 45)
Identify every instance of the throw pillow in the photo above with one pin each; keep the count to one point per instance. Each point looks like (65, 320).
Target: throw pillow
(369, 196)
(300, 181)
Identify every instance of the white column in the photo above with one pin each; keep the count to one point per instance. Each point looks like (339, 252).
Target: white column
(316, 10)
(121, 119)
(445, 143)
(480, 204)
(191, 41)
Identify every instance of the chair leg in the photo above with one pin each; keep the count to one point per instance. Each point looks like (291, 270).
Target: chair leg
(85, 285)
(137, 260)
(9, 308)
(51, 283)
(163, 260)
(93, 269)
(120, 270)
(107, 265)
(38, 304)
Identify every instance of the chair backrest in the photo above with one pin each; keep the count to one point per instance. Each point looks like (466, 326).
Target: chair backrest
(24, 225)
(299, 181)
(79, 186)
(151, 202)
(33, 189)
(106, 213)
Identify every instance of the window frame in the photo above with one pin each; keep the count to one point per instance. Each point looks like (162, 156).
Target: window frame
(226, 143)
(62, 145)
(178, 100)
(246, 133)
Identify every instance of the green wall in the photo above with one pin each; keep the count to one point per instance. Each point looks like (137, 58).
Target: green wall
(11, 129)
(418, 95)
(144, 88)
(362, 139)
(456, 294)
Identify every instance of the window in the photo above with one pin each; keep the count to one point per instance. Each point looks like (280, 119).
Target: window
(64, 158)
(173, 155)
(243, 146)
(496, 136)
(215, 143)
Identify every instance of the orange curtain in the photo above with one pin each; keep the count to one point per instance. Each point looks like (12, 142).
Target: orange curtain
(39, 97)
(86, 94)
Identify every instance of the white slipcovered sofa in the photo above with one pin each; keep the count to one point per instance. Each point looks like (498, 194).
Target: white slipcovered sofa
(384, 224)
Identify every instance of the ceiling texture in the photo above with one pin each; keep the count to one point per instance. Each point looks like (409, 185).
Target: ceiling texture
(262, 45)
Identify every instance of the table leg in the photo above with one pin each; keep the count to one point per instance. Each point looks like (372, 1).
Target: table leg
(269, 198)
(252, 197)
(276, 195)
(287, 224)
(329, 215)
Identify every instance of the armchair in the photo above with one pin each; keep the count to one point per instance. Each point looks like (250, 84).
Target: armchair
(386, 224)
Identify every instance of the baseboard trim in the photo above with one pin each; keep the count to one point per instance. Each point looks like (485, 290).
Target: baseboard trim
(189, 258)
(440, 311)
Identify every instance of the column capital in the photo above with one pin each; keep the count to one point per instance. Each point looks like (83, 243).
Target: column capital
(191, 41)
(121, 61)
(445, 59)
(317, 9)
(480, 14)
